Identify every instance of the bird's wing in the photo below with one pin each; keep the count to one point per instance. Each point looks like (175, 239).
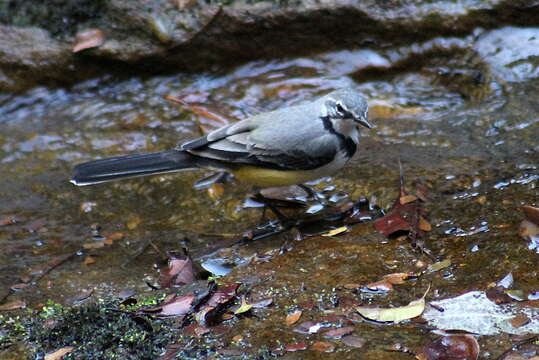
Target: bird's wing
(287, 139)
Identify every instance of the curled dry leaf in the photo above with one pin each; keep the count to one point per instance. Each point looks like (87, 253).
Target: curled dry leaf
(452, 347)
(397, 314)
(88, 39)
(336, 231)
(293, 317)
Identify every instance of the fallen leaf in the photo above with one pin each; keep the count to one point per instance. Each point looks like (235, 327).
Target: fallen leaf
(13, 305)
(237, 338)
(437, 266)
(323, 346)
(260, 304)
(353, 341)
(89, 260)
(531, 213)
(296, 347)
(244, 307)
(110, 239)
(134, 222)
(59, 354)
(293, 317)
(407, 199)
(177, 306)
(381, 285)
(519, 320)
(222, 295)
(180, 271)
(351, 286)
(336, 231)
(338, 332)
(309, 327)
(424, 224)
(413, 309)
(216, 191)
(452, 347)
(88, 39)
(93, 245)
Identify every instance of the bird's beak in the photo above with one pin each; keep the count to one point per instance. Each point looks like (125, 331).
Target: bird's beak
(364, 122)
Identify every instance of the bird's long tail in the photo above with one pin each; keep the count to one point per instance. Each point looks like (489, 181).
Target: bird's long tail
(120, 167)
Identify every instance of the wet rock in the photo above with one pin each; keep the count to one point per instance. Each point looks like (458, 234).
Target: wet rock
(157, 35)
(511, 52)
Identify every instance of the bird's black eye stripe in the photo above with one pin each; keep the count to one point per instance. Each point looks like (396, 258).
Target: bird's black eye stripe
(340, 109)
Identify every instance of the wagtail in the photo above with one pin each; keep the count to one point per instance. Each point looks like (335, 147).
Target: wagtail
(288, 146)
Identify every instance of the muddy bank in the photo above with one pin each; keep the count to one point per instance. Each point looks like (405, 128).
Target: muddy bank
(167, 36)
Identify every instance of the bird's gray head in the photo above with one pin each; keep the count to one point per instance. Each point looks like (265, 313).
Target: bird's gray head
(347, 103)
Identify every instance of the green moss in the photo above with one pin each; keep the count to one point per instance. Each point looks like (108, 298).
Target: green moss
(99, 331)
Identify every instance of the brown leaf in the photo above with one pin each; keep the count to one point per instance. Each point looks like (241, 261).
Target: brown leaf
(338, 333)
(531, 213)
(407, 199)
(177, 306)
(89, 260)
(323, 346)
(13, 305)
(296, 347)
(185, 4)
(88, 39)
(260, 304)
(293, 317)
(180, 272)
(93, 245)
(113, 237)
(454, 347)
(354, 341)
(424, 224)
(519, 320)
(59, 354)
(222, 295)
(215, 191)
(381, 285)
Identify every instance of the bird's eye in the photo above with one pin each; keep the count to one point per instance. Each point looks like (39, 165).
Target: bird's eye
(340, 109)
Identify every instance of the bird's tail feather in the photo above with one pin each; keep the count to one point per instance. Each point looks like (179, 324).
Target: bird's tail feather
(120, 167)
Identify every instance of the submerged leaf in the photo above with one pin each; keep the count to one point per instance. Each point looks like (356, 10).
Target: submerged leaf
(413, 309)
(293, 318)
(452, 347)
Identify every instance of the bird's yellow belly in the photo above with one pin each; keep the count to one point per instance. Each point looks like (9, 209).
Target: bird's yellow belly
(269, 177)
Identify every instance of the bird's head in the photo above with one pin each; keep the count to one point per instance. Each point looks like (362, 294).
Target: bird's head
(347, 104)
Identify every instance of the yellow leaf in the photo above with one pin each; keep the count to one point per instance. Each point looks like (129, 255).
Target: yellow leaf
(437, 266)
(413, 309)
(336, 231)
(407, 199)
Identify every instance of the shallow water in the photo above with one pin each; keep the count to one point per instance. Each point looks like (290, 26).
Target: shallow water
(479, 155)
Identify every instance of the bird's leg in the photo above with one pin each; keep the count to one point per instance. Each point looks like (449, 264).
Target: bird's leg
(268, 204)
